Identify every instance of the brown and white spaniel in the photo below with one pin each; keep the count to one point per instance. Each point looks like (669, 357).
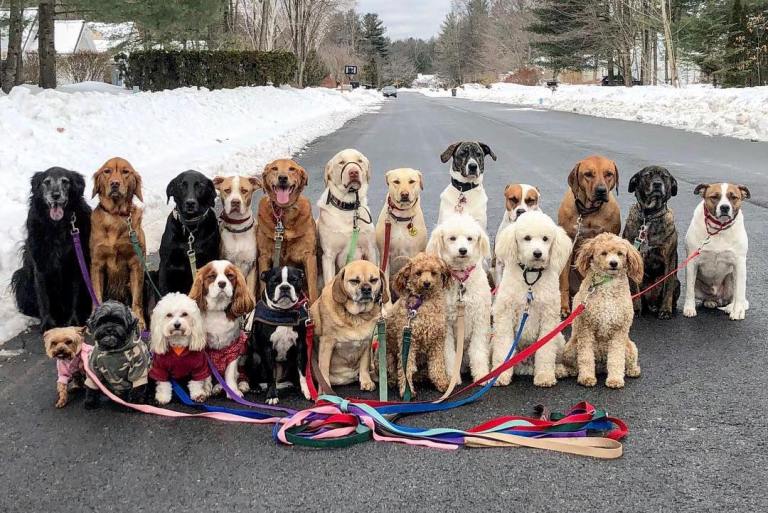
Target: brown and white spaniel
(224, 298)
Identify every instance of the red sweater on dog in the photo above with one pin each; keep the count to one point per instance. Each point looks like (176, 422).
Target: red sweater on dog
(185, 365)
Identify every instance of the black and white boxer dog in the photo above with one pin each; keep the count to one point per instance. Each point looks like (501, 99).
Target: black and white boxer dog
(278, 337)
(465, 193)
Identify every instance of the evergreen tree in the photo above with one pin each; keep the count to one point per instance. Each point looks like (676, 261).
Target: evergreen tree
(735, 71)
(474, 30)
(449, 50)
(565, 42)
(374, 46)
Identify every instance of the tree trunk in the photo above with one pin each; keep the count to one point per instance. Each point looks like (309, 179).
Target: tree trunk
(668, 44)
(626, 61)
(12, 76)
(46, 49)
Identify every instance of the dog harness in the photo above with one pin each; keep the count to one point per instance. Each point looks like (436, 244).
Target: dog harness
(185, 365)
(221, 358)
(293, 316)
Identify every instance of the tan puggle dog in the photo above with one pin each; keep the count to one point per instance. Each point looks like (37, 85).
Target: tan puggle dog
(238, 224)
(408, 233)
(64, 345)
(345, 315)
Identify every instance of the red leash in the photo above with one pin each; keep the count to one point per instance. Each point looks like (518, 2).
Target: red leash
(385, 253)
(668, 275)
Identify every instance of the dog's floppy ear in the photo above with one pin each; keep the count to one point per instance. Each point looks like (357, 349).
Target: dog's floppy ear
(701, 189)
(616, 170)
(386, 177)
(37, 180)
(634, 263)
(78, 183)
(337, 290)
(170, 189)
(209, 195)
(445, 273)
(634, 181)
(303, 177)
(256, 182)
(573, 178)
(137, 183)
(197, 339)
(487, 150)
(157, 342)
(484, 244)
(366, 168)
(584, 256)
(435, 245)
(327, 172)
(242, 298)
(449, 151)
(196, 292)
(506, 244)
(672, 185)
(745, 194)
(384, 288)
(560, 253)
(400, 281)
(98, 183)
(217, 181)
(421, 180)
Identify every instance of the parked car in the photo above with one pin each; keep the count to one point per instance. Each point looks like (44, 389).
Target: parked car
(389, 91)
(618, 80)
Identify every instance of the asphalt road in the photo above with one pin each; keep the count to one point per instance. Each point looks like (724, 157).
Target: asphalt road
(697, 414)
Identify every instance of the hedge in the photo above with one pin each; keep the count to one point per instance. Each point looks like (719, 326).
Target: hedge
(155, 70)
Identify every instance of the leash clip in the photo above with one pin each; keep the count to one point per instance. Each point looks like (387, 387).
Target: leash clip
(72, 221)
(279, 230)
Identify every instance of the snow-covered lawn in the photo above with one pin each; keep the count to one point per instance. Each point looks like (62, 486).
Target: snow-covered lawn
(161, 134)
(741, 113)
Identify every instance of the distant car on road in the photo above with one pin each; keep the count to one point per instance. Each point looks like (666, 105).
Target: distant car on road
(389, 91)
(618, 80)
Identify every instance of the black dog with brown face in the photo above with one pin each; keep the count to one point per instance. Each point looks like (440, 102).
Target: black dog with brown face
(651, 227)
(194, 196)
(49, 285)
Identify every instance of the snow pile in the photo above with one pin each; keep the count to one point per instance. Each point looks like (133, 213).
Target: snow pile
(741, 113)
(161, 134)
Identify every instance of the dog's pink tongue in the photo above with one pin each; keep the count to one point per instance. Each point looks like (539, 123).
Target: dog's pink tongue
(283, 195)
(56, 213)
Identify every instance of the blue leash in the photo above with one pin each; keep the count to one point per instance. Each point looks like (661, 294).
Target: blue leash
(187, 401)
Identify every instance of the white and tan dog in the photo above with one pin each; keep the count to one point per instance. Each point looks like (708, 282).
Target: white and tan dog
(519, 198)
(535, 251)
(718, 277)
(462, 243)
(465, 193)
(238, 224)
(408, 232)
(347, 176)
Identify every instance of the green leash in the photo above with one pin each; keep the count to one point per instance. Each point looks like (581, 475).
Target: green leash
(404, 356)
(279, 231)
(353, 243)
(134, 238)
(381, 333)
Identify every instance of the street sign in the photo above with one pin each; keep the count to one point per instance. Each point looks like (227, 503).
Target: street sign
(350, 70)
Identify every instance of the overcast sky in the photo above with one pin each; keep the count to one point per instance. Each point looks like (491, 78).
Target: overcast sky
(408, 18)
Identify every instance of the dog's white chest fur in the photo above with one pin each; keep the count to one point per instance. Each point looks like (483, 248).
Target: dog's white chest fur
(283, 339)
(240, 248)
(219, 330)
(476, 204)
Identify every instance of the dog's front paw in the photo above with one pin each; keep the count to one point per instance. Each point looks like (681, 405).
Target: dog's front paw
(709, 304)
(162, 398)
(633, 372)
(564, 312)
(216, 390)
(243, 386)
(562, 371)
(92, 399)
(61, 402)
(587, 381)
(199, 398)
(665, 315)
(304, 388)
(545, 380)
(614, 382)
(367, 385)
(689, 310)
(738, 311)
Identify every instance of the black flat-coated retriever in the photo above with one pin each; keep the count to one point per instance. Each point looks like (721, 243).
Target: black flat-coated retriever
(49, 285)
(194, 196)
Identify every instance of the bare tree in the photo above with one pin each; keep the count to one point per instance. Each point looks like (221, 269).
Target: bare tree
(12, 76)
(46, 49)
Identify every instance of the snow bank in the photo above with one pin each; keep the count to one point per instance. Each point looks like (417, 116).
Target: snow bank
(161, 134)
(741, 113)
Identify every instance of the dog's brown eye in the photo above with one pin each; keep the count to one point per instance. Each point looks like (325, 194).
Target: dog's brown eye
(411, 182)
(169, 315)
(273, 169)
(397, 182)
(605, 253)
(589, 174)
(469, 239)
(354, 282)
(243, 191)
(452, 238)
(545, 238)
(620, 254)
(530, 201)
(183, 314)
(527, 238)
(227, 191)
(374, 280)
(514, 199)
(125, 171)
(609, 174)
(106, 171)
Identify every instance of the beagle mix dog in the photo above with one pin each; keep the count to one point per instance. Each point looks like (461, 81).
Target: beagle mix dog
(587, 209)
(238, 223)
(408, 231)
(345, 316)
(285, 208)
(116, 270)
(519, 198)
(465, 192)
(718, 277)
(343, 204)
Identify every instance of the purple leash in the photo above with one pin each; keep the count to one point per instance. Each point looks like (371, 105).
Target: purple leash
(81, 261)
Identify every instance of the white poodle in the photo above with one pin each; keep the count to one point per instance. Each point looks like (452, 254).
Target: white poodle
(534, 250)
(463, 244)
(178, 341)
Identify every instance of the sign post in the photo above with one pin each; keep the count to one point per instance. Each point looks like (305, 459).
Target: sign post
(350, 71)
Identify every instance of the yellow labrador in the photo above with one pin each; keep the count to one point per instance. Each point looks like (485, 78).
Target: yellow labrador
(347, 176)
(345, 315)
(408, 235)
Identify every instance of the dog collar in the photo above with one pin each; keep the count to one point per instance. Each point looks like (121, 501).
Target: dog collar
(226, 221)
(224, 217)
(714, 225)
(649, 215)
(278, 317)
(342, 205)
(413, 303)
(527, 270)
(192, 220)
(463, 186)
(584, 210)
(463, 275)
(118, 213)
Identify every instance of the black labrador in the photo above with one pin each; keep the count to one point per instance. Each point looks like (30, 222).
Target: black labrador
(193, 219)
(49, 284)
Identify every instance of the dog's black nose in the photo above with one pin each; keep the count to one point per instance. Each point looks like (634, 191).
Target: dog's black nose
(190, 204)
(365, 289)
(282, 180)
(657, 186)
(235, 203)
(285, 288)
(462, 251)
(725, 209)
(426, 284)
(56, 195)
(614, 264)
(472, 167)
(537, 253)
(520, 211)
(600, 190)
(222, 284)
(177, 325)
(114, 185)
(404, 196)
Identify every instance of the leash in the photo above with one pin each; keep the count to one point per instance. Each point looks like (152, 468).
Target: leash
(381, 336)
(714, 225)
(77, 243)
(406, 342)
(279, 235)
(133, 237)
(355, 226)
(387, 237)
